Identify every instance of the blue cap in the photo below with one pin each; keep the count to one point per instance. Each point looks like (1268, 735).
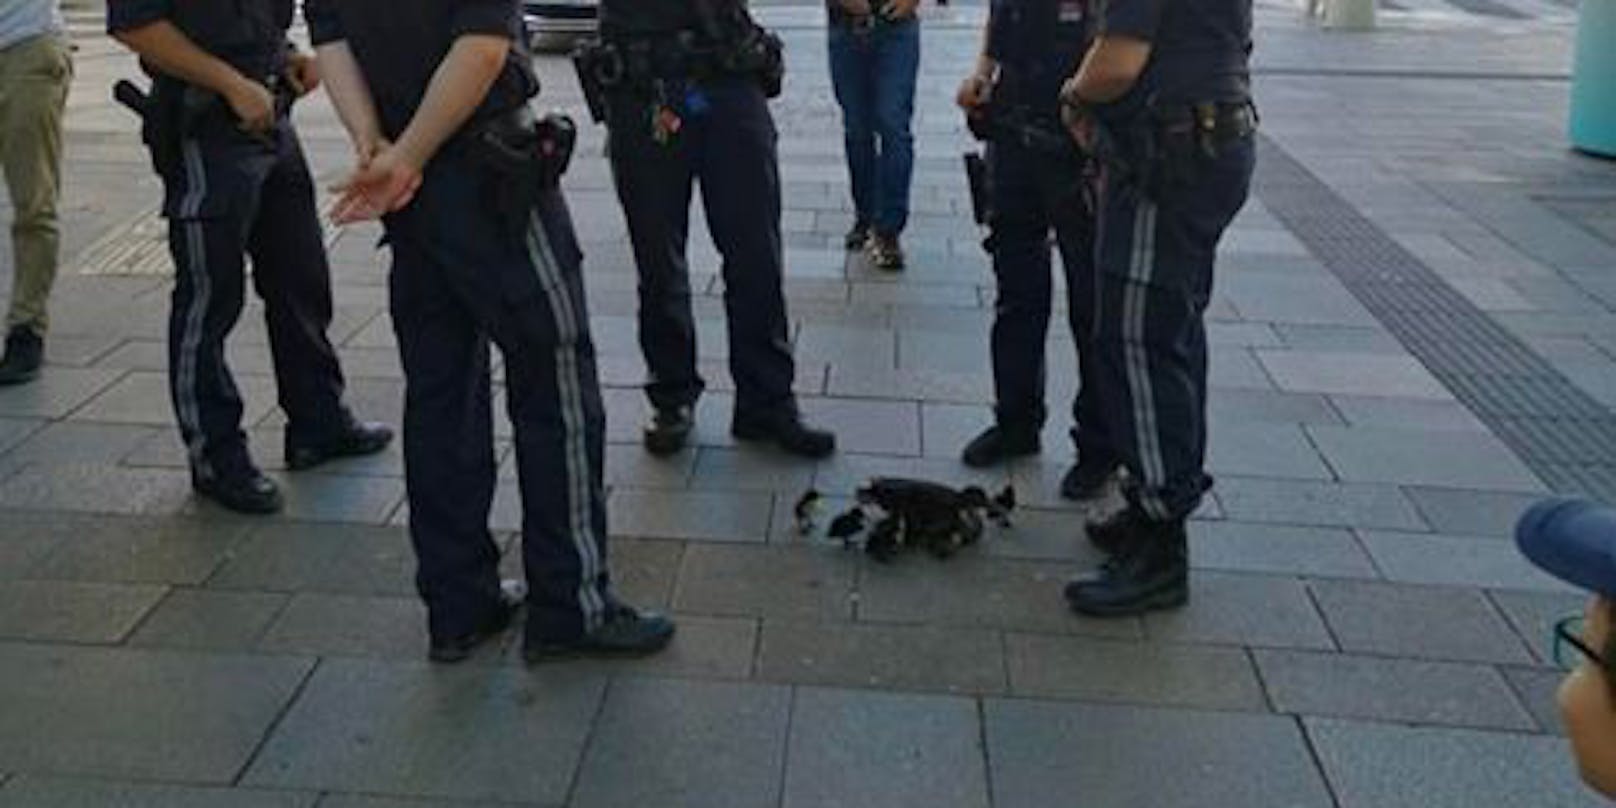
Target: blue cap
(1573, 540)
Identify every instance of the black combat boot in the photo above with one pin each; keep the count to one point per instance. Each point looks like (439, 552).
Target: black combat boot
(786, 430)
(857, 236)
(354, 439)
(25, 355)
(459, 647)
(998, 444)
(239, 486)
(1150, 573)
(626, 632)
(668, 430)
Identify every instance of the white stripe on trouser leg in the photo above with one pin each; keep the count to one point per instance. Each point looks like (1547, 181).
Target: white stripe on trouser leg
(1137, 359)
(575, 450)
(187, 408)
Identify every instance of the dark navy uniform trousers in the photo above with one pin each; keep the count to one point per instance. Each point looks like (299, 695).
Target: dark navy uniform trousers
(464, 275)
(1156, 255)
(229, 196)
(1034, 192)
(730, 149)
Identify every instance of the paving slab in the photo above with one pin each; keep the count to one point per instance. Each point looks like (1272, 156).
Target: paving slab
(320, 497)
(142, 550)
(1385, 766)
(888, 657)
(1226, 406)
(311, 557)
(1385, 689)
(978, 593)
(57, 611)
(1423, 457)
(47, 792)
(634, 467)
(1538, 689)
(69, 442)
(891, 750)
(473, 733)
(200, 619)
(68, 711)
(1470, 512)
(1456, 561)
(1247, 610)
(1378, 410)
(750, 469)
(799, 583)
(1114, 755)
(1421, 622)
(349, 801)
(1533, 615)
(96, 488)
(1322, 503)
(342, 625)
(1352, 374)
(1278, 549)
(57, 393)
(705, 648)
(672, 743)
(1262, 450)
(1087, 669)
(643, 572)
(868, 426)
(701, 516)
(143, 398)
(15, 430)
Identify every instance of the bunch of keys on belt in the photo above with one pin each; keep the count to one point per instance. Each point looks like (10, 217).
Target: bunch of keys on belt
(668, 117)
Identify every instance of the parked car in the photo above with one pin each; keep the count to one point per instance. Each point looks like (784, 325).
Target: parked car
(558, 24)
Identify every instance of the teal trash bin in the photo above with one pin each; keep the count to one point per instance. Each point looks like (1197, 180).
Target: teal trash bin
(1593, 79)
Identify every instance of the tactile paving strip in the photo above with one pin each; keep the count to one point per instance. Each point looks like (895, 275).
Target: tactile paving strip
(1559, 431)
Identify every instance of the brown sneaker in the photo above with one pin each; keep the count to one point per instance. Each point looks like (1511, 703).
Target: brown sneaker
(885, 252)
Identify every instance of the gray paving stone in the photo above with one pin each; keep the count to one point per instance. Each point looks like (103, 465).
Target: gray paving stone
(334, 497)
(15, 430)
(1368, 339)
(69, 711)
(310, 557)
(1299, 299)
(672, 744)
(1407, 413)
(68, 442)
(54, 611)
(704, 648)
(476, 733)
(702, 516)
(1039, 534)
(797, 583)
(1484, 513)
(868, 426)
(1278, 549)
(1253, 450)
(55, 394)
(1383, 766)
(47, 792)
(1236, 368)
(199, 619)
(1419, 622)
(1416, 457)
(143, 398)
(341, 625)
(750, 469)
(978, 593)
(1538, 689)
(643, 572)
(1401, 690)
(923, 385)
(1115, 755)
(93, 488)
(1085, 669)
(889, 657)
(1352, 374)
(896, 751)
(348, 801)
(1230, 406)
(634, 467)
(122, 550)
(1247, 610)
(1456, 561)
(1533, 615)
(1327, 504)
(27, 538)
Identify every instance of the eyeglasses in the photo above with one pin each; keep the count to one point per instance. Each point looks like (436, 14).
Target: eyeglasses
(1568, 644)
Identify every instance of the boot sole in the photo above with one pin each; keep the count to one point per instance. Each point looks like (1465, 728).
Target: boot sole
(562, 653)
(1160, 601)
(249, 508)
(21, 378)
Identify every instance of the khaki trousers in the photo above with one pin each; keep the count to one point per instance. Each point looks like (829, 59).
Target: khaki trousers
(34, 79)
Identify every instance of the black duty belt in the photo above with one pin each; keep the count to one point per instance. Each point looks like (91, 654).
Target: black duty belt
(1215, 122)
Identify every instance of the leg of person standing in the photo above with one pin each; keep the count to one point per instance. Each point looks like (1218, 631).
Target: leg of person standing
(1019, 244)
(853, 78)
(897, 67)
(1072, 207)
(34, 79)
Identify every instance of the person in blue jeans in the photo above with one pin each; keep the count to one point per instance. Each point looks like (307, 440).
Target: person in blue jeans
(874, 61)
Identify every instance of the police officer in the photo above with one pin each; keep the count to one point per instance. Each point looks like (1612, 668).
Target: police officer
(688, 103)
(434, 95)
(1038, 183)
(1165, 94)
(236, 183)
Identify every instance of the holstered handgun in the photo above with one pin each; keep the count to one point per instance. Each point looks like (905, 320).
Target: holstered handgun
(981, 184)
(526, 156)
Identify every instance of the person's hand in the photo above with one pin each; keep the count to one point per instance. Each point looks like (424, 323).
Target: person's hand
(857, 8)
(385, 184)
(367, 146)
(303, 71)
(974, 93)
(901, 9)
(253, 105)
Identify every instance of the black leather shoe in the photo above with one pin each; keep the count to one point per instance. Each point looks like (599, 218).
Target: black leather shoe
(997, 445)
(244, 490)
(787, 431)
(1151, 574)
(355, 439)
(669, 430)
(25, 355)
(459, 649)
(857, 236)
(1086, 482)
(627, 632)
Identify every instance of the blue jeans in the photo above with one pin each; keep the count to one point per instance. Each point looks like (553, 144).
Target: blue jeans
(874, 74)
